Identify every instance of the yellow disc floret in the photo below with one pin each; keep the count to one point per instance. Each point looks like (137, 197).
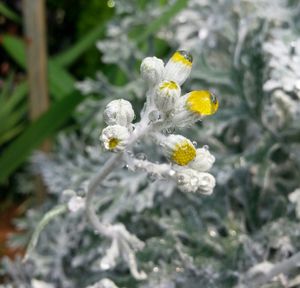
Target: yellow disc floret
(202, 102)
(113, 143)
(171, 85)
(183, 153)
(183, 57)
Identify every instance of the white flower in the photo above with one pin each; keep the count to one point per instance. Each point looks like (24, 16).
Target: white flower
(118, 112)
(190, 180)
(178, 149)
(193, 106)
(152, 70)
(166, 95)
(76, 203)
(114, 137)
(203, 161)
(179, 67)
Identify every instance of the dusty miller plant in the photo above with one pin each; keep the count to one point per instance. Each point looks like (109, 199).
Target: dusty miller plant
(247, 232)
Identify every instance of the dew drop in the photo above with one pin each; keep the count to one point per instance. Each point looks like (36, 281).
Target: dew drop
(129, 152)
(152, 177)
(195, 143)
(180, 179)
(111, 3)
(206, 147)
(170, 130)
(171, 115)
(154, 115)
(172, 173)
(141, 156)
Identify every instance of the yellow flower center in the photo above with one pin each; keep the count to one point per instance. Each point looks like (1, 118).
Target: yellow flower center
(171, 85)
(113, 143)
(180, 57)
(202, 102)
(184, 153)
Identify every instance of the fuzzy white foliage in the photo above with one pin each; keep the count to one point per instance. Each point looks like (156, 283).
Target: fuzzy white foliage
(104, 283)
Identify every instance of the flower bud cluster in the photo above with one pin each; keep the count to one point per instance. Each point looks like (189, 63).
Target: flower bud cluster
(164, 109)
(118, 115)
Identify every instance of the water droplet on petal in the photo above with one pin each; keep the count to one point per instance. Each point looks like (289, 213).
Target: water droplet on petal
(153, 177)
(180, 179)
(172, 173)
(170, 130)
(141, 156)
(154, 115)
(195, 143)
(206, 147)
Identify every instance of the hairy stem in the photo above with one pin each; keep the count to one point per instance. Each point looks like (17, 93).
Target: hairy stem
(52, 214)
(108, 167)
(92, 188)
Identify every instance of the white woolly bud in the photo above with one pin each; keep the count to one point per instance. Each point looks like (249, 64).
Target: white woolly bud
(118, 112)
(76, 203)
(207, 183)
(203, 161)
(178, 149)
(187, 180)
(166, 95)
(179, 67)
(190, 180)
(115, 137)
(152, 70)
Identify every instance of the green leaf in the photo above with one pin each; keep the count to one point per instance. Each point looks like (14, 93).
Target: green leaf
(71, 55)
(15, 48)
(36, 132)
(163, 20)
(7, 136)
(11, 120)
(8, 13)
(60, 81)
(18, 95)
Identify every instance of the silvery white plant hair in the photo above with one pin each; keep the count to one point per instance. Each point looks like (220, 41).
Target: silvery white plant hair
(186, 165)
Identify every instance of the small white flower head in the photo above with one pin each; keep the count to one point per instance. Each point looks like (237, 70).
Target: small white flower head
(152, 70)
(179, 149)
(203, 161)
(115, 137)
(179, 67)
(118, 112)
(166, 95)
(76, 203)
(190, 180)
(194, 105)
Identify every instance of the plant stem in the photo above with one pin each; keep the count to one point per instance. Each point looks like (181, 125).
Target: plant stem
(52, 214)
(92, 188)
(108, 167)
